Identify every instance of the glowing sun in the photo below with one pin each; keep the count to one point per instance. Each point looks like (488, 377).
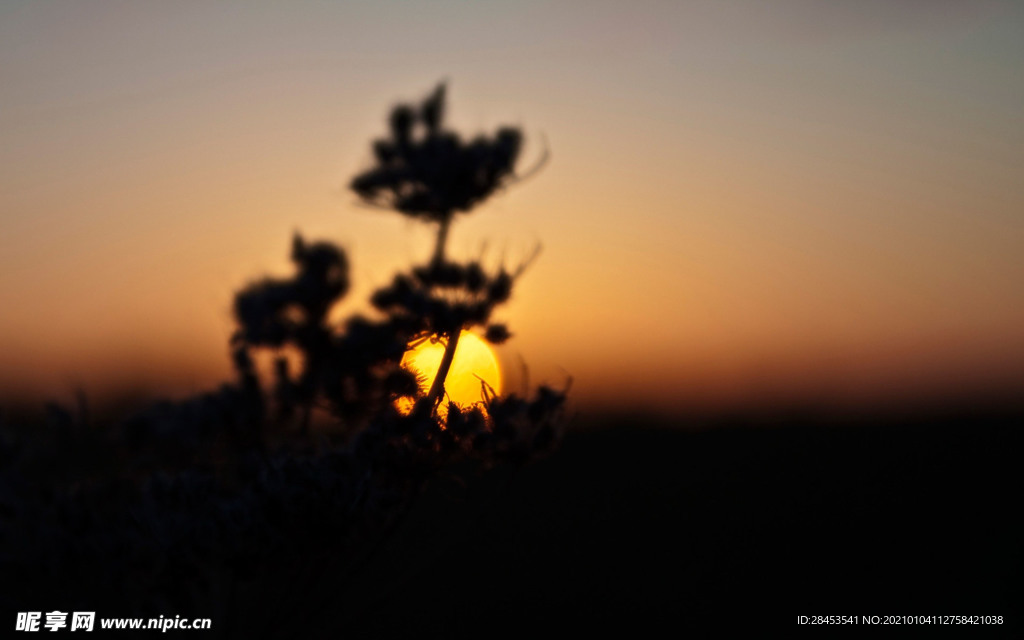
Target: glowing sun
(473, 365)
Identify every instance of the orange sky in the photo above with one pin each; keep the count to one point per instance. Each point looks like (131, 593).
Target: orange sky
(806, 203)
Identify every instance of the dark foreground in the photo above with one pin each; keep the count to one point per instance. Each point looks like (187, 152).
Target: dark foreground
(633, 526)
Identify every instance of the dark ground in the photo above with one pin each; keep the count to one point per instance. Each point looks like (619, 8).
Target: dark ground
(646, 526)
(633, 525)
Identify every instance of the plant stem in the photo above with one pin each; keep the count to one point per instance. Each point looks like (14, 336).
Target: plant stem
(442, 238)
(437, 389)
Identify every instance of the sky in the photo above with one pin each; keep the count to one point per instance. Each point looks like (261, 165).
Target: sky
(746, 203)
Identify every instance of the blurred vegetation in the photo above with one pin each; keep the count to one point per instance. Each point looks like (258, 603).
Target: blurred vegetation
(270, 494)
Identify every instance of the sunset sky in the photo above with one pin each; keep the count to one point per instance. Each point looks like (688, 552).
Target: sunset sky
(746, 202)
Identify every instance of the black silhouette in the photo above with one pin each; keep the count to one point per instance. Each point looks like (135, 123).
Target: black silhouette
(215, 505)
(303, 504)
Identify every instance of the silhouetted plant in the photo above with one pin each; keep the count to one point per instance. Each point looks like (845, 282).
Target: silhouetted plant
(235, 486)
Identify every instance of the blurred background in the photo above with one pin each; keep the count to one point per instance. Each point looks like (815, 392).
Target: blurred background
(816, 204)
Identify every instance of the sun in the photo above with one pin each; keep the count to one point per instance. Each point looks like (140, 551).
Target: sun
(474, 368)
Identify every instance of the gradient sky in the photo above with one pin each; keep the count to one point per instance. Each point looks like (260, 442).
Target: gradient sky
(747, 202)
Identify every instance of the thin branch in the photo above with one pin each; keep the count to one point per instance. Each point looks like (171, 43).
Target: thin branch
(434, 396)
(545, 156)
(529, 260)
